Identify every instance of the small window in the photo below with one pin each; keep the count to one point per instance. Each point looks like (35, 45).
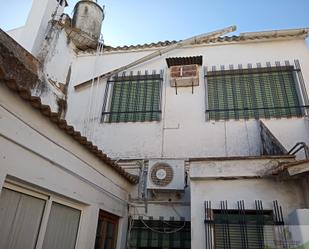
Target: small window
(106, 231)
(133, 99)
(248, 229)
(20, 219)
(264, 92)
(62, 227)
(24, 210)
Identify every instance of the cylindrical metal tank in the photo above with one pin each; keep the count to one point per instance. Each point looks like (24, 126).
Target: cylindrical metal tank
(88, 17)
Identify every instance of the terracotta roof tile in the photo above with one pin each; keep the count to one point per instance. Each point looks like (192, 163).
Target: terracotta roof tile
(13, 80)
(241, 37)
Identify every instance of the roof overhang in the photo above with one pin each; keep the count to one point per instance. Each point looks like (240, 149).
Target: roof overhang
(277, 33)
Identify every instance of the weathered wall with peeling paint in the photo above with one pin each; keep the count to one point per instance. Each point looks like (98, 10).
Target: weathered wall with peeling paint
(183, 131)
(88, 17)
(35, 152)
(208, 183)
(35, 30)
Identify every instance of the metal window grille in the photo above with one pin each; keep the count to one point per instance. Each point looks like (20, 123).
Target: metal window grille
(244, 228)
(261, 92)
(142, 237)
(134, 98)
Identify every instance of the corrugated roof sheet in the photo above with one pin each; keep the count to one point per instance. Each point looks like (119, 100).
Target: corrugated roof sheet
(177, 61)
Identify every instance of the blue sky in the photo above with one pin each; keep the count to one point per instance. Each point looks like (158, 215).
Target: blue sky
(143, 21)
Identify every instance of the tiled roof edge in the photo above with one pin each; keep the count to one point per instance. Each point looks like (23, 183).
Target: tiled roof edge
(249, 36)
(19, 72)
(45, 110)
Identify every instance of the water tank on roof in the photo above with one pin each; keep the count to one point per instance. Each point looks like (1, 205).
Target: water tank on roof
(88, 17)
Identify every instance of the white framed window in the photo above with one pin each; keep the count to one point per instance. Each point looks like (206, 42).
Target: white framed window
(35, 219)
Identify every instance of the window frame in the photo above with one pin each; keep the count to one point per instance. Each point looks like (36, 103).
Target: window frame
(297, 78)
(111, 218)
(49, 200)
(108, 96)
(245, 229)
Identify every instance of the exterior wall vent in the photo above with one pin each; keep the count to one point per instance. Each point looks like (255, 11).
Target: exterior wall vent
(166, 175)
(184, 75)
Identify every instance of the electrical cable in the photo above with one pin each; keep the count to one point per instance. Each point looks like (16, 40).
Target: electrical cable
(158, 231)
(96, 94)
(88, 111)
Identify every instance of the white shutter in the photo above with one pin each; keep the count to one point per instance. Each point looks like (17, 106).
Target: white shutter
(62, 227)
(20, 219)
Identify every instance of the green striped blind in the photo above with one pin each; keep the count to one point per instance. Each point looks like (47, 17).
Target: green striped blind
(252, 93)
(135, 99)
(143, 237)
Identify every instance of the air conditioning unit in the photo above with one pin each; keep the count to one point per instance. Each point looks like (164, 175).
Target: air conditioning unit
(184, 75)
(166, 175)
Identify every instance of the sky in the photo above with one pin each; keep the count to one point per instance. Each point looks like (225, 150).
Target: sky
(144, 21)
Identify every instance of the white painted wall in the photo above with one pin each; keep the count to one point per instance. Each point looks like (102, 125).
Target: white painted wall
(205, 187)
(183, 131)
(51, 46)
(16, 33)
(57, 55)
(290, 131)
(34, 32)
(35, 152)
(305, 183)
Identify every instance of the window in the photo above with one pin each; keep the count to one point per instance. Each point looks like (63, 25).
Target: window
(30, 219)
(20, 219)
(106, 231)
(262, 92)
(62, 227)
(142, 236)
(245, 230)
(133, 99)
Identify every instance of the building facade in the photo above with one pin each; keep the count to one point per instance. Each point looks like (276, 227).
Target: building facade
(201, 135)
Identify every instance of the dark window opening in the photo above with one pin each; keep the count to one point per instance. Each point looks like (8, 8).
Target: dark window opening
(246, 230)
(107, 230)
(243, 228)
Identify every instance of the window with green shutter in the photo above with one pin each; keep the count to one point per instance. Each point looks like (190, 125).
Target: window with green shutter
(155, 234)
(262, 92)
(133, 99)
